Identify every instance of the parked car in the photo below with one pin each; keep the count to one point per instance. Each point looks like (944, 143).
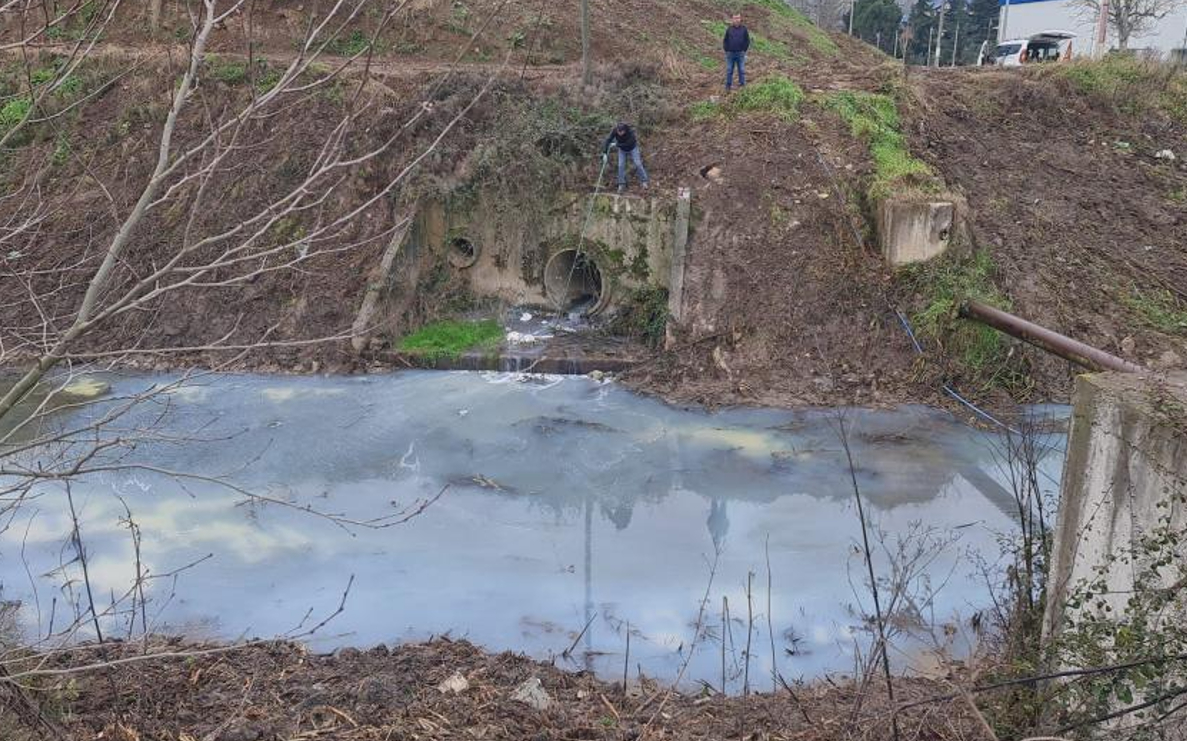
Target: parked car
(1048, 46)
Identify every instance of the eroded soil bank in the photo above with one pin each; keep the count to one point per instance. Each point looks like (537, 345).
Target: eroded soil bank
(280, 691)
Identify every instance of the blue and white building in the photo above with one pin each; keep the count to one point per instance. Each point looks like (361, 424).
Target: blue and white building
(1023, 18)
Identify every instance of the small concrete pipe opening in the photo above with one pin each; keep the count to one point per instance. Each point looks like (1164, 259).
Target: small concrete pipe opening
(462, 252)
(573, 282)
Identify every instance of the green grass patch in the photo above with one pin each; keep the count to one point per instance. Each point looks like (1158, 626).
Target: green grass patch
(703, 110)
(451, 338)
(696, 54)
(348, 46)
(231, 73)
(268, 79)
(758, 44)
(817, 37)
(874, 118)
(13, 112)
(42, 75)
(776, 94)
(944, 285)
(1134, 86)
(1159, 308)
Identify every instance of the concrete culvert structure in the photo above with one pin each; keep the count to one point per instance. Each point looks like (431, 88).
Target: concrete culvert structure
(462, 252)
(573, 280)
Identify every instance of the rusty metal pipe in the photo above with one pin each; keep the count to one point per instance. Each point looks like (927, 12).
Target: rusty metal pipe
(1043, 338)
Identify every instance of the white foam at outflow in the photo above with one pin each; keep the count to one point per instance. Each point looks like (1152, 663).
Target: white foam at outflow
(569, 500)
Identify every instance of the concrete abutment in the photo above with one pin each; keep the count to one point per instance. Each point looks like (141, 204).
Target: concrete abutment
(1125, 475)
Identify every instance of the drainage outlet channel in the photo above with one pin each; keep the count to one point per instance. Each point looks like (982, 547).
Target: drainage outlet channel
(573, 282)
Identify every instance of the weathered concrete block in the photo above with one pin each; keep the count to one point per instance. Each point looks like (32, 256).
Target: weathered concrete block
(915, 229)
(679, 251)
(1126, 469)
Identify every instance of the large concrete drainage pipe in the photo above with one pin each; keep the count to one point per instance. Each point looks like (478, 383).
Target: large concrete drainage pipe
(573, 282)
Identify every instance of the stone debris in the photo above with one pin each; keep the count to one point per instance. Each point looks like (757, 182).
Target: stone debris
(523, 338)
(455, 684)
(532, 694)
(1165, 154)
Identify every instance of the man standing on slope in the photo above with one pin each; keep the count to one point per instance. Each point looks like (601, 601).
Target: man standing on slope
(628, 144)
(736, 43)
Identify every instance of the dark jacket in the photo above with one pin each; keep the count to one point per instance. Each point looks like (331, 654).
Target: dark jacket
(737, 38)
(626, 142)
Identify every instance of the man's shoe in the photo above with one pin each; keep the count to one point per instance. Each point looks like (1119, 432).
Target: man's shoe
(647, 186)
(621, 189)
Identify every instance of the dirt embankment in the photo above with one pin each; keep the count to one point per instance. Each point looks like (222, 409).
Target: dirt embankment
(786, 299)
(281, 692)
(1079, 197)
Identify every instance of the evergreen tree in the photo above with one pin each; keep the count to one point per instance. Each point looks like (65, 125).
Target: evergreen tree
(877, 21)
(983, 20)
(921, 23)
(955, 26)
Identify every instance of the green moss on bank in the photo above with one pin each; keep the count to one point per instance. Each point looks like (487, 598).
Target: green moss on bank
(451, 338)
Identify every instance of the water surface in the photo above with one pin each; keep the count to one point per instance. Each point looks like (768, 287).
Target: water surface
(567, 503)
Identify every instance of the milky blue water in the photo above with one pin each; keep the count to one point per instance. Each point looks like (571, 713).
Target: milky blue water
(567, 502)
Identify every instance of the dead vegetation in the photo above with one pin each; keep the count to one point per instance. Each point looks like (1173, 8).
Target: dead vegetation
(282, 691)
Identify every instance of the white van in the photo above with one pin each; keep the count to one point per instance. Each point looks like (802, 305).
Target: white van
(1048, 46)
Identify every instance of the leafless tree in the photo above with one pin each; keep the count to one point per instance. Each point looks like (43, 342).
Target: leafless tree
(198, 144)
(1129, 18)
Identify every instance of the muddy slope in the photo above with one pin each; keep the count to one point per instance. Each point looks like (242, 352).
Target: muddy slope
(784, 302)
(1067, 195)
(786, 299)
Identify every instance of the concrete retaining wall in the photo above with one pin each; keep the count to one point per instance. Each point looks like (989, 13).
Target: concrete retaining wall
(1126, 469)
(630, 239)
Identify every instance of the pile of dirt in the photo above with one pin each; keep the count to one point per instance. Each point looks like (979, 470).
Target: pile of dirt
(785, 301)
(439, 690)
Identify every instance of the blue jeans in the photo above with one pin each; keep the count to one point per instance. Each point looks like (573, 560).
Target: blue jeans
(735, 59)
(636, 155)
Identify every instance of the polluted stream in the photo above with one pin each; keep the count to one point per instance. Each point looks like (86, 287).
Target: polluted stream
(574, 512)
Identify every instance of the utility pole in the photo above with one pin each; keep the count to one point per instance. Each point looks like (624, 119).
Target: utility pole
(895, 53)
(927, 57)
(852, 7)
(956, 41)
(1001, 28)
(586, 63)
(1102, 29)
(940, 34)
(878, 42)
